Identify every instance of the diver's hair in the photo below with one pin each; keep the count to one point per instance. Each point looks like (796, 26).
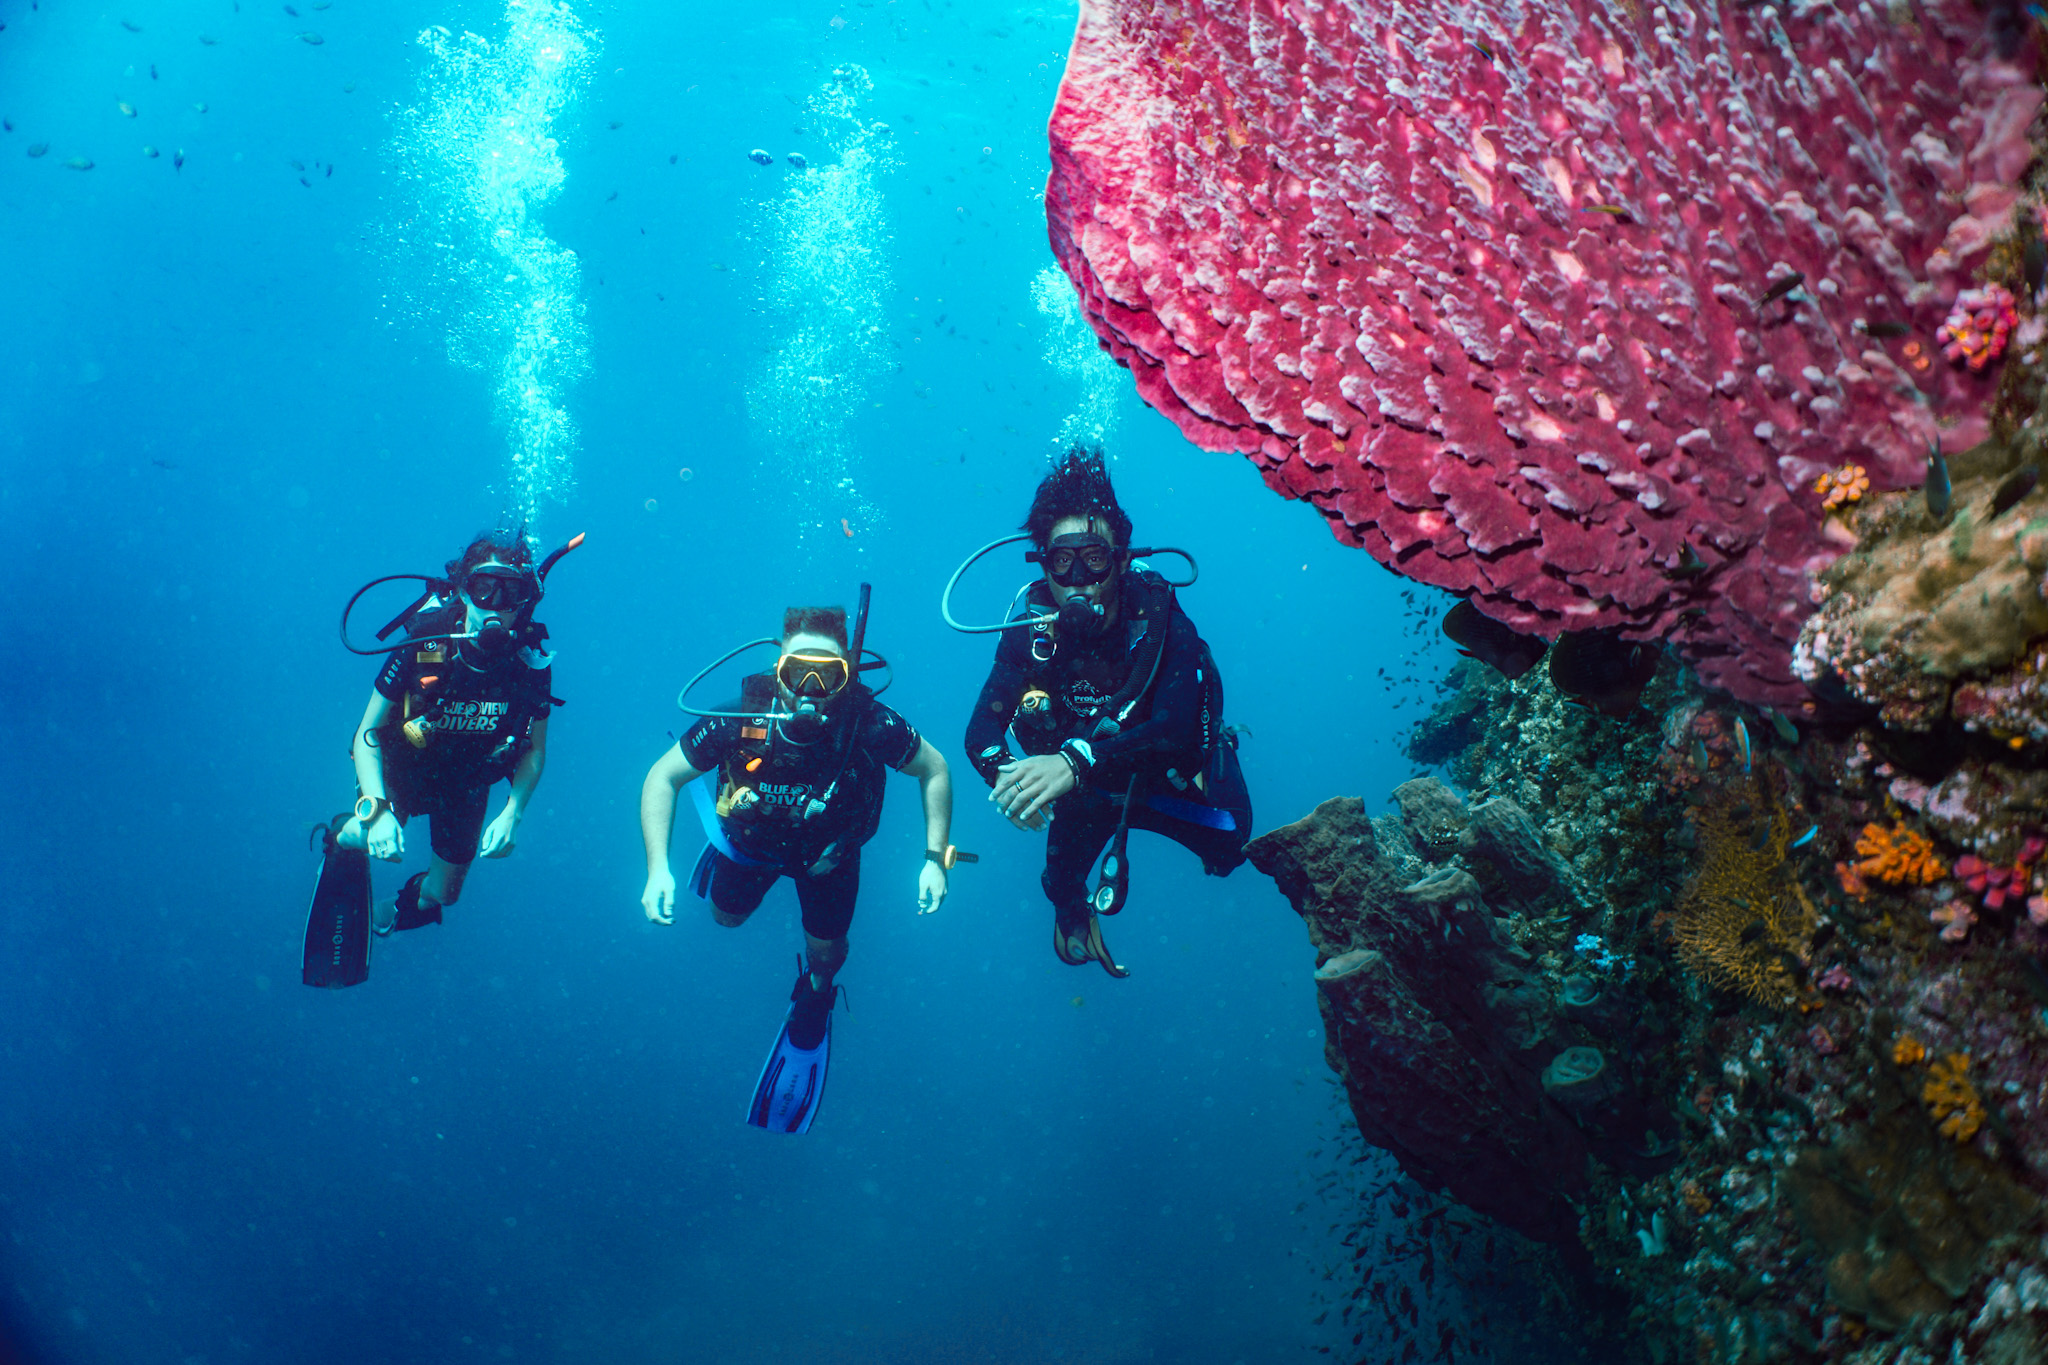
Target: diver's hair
(504, 547)
(829, 622)
(1078, 486)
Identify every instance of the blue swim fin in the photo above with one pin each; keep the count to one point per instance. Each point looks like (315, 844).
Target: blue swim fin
(338, 921)
(793, 1078)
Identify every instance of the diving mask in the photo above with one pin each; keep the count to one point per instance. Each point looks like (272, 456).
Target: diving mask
(501, 589)
(812, 676)
(1076, 561)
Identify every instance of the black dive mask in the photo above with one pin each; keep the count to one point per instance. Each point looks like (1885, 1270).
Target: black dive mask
(1080, 560)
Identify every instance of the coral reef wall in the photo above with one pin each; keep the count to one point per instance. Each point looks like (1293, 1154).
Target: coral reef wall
(1561, 306)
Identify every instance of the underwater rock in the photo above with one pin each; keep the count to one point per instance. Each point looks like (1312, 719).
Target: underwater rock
(1435, 1021)
(1505, 843)
(1374, 249)
(1434, 818)
(1928, 621)
(1902, 1220)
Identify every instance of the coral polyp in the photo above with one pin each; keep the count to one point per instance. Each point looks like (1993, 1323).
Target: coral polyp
(1977, 327)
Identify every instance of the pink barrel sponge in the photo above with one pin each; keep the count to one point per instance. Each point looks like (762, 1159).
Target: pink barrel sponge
(1550, 304)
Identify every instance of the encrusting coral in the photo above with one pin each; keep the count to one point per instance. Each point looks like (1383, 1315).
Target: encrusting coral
(1845, 485)
(1898, 857)
(1744, 918)
(1951, 1098)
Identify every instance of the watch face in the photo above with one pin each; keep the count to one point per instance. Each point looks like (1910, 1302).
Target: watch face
(366, 808)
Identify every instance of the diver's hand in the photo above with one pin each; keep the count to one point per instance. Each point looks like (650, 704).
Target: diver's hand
(659, 899)
(931, 888)
(1025, 788)
(498, 834)
(384, 838)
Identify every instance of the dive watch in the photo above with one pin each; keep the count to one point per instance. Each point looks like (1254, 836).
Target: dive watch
(368, 808)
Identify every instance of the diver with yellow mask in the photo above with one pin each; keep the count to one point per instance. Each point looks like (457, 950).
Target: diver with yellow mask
(795, 773)
(461, 703)
(1106, 688)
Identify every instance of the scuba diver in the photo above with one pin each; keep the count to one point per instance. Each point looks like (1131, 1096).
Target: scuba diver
(1115, 703)
(461, 703)
(799, 766)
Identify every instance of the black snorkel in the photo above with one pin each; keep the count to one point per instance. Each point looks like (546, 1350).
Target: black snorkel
(494, 636)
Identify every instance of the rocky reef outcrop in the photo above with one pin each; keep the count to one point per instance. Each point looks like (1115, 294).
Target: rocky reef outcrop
(1562, 306)
(1482, 1077)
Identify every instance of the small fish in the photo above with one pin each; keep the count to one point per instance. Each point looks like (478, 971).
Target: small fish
(617, 124)
(307, 183)
(1782, 288)
(166, 464)
(613, 195)
(299, 166)
(2034, 262)
(311, 39)
(152, 71)
(1614, 211)
(349, 89)
(330, 170)
(6, 125)
(1481, 48)
(178, 159)
(292, 12)
(1480, 637)
(319, 4)
(125, 107)
(1787, 731)
(1887, 329)
(207, 40)
(2013, 487)
(1700, 760)
(796, 159)
(1940, 493)
(1689, 565)
(132, 28)
(80, 163)
(150, 152)
(38, 148)
(1742, 742)
(1803, 840)
(1078, 1002)
(199, 108)
(760, 157)
(844, 526)
(671, 158)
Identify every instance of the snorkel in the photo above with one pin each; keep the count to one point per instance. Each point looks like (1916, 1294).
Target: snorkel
(487, 626)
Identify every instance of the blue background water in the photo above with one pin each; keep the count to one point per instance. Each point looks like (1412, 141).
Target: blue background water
(522, 1139)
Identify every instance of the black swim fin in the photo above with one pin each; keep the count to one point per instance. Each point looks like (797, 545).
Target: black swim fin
(338, 922)
(793, 1078)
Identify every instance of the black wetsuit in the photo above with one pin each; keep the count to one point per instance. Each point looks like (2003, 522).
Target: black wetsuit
(811, 809)
(481, 711)
(1167, 732)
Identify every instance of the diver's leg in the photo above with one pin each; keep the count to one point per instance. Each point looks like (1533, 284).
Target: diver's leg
(1082, 824)
(828, 902)
(735, 892)
(456, 831)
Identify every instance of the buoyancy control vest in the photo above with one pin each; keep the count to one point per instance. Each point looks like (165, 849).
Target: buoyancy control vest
(463, 721)
(791, 803)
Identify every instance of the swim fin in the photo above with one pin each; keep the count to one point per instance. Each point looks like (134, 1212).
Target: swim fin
(793, 1078)
(1079, 942)
(338, 922)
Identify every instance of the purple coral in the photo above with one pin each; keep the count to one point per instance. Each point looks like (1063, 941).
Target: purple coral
(1542, 310)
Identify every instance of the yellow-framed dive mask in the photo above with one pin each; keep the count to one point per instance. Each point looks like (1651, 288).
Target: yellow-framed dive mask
(812, 676)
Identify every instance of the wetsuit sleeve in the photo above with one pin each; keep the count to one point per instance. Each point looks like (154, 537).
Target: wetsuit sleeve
(987, 729)
(891, 738)
(1173, 732)
(709, 742)
(395, 679)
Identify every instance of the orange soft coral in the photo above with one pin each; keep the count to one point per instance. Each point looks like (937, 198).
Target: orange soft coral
(1898, 857)
(1845, 485)
(1951, 1098)
(1908, 1050)
(1852, 881)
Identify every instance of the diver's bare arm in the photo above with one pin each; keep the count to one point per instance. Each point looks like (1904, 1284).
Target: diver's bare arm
(658, 804)
(369, 759)
(935, 789)
(532, 764)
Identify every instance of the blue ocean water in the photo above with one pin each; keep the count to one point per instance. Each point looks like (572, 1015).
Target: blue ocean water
(309, 342)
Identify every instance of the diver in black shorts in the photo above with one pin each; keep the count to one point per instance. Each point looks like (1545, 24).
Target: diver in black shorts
(799, 763)
(449, 718)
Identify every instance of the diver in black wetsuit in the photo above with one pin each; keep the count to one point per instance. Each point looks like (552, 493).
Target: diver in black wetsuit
(464, 709)
(801, 760)
(1112, 696)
